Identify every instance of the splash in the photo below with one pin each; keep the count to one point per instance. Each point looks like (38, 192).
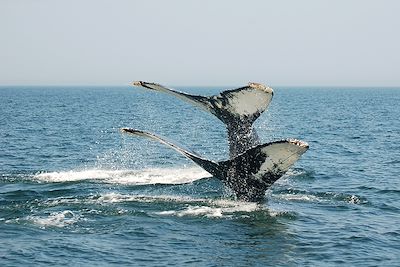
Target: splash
(55, 219)
(300, 197)
(214, 209)
(185, 205)
(135, 177)
(319, 197)
(119, 198)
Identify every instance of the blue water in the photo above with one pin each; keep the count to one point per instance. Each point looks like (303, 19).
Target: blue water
(74, 191)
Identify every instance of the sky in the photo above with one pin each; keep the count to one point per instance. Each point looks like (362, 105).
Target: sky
(200, 43)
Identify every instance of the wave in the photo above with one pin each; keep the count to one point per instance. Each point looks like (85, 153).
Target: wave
(55, 219)
(318, 197)
(184, 206)
(299, 197)
(196, 205)
(217, 211)
(135, 177)
(192, 206)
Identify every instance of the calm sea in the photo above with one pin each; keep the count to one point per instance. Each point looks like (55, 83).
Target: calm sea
(74, 191)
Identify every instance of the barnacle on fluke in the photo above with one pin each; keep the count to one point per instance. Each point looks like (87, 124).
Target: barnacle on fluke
(253, 167)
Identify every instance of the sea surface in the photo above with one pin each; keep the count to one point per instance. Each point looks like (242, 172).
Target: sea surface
(74, 191)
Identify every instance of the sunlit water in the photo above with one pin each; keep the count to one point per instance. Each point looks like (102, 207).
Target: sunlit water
(74, 191)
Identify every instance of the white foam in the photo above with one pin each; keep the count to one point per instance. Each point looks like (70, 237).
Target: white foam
(299, 197)
(215, 209)
(194, 206)
(194, 211)
(294, 173)
(139, 177)
(276, 213)
(120, 198)
(117, 198)
(55, 219)
(183, 206)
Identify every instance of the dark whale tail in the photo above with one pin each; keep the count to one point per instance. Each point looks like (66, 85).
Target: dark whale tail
(208, 165)
(249, 174)
(237, 109)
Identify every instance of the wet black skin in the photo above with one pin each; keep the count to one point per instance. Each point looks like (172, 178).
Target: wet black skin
(241, 172)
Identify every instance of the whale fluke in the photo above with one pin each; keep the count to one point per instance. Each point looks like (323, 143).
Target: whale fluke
(236, 108)
(248, 174)
(208, 165)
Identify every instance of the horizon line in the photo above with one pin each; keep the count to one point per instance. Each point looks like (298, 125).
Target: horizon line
(199, 86)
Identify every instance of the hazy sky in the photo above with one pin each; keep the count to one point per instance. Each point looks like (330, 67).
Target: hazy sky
(204, 42)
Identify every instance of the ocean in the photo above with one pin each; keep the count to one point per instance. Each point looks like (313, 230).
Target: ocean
(74, 191)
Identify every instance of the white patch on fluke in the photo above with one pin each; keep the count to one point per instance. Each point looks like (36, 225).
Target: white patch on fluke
(139, 177)
(281, 155)
(247, 102)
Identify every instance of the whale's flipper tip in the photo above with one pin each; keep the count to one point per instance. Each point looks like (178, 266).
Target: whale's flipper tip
(137, 83)
(260, 86)
(299, 143)
(135, 132)
(125, 130)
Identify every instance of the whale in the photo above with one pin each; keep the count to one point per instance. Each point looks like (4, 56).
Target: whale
(252, 167)
(249, 174)
(237, 109)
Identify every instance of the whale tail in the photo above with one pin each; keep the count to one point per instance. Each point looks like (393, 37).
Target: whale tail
(210, 166)
(249, 174)
(243, 104)
(237, 109)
